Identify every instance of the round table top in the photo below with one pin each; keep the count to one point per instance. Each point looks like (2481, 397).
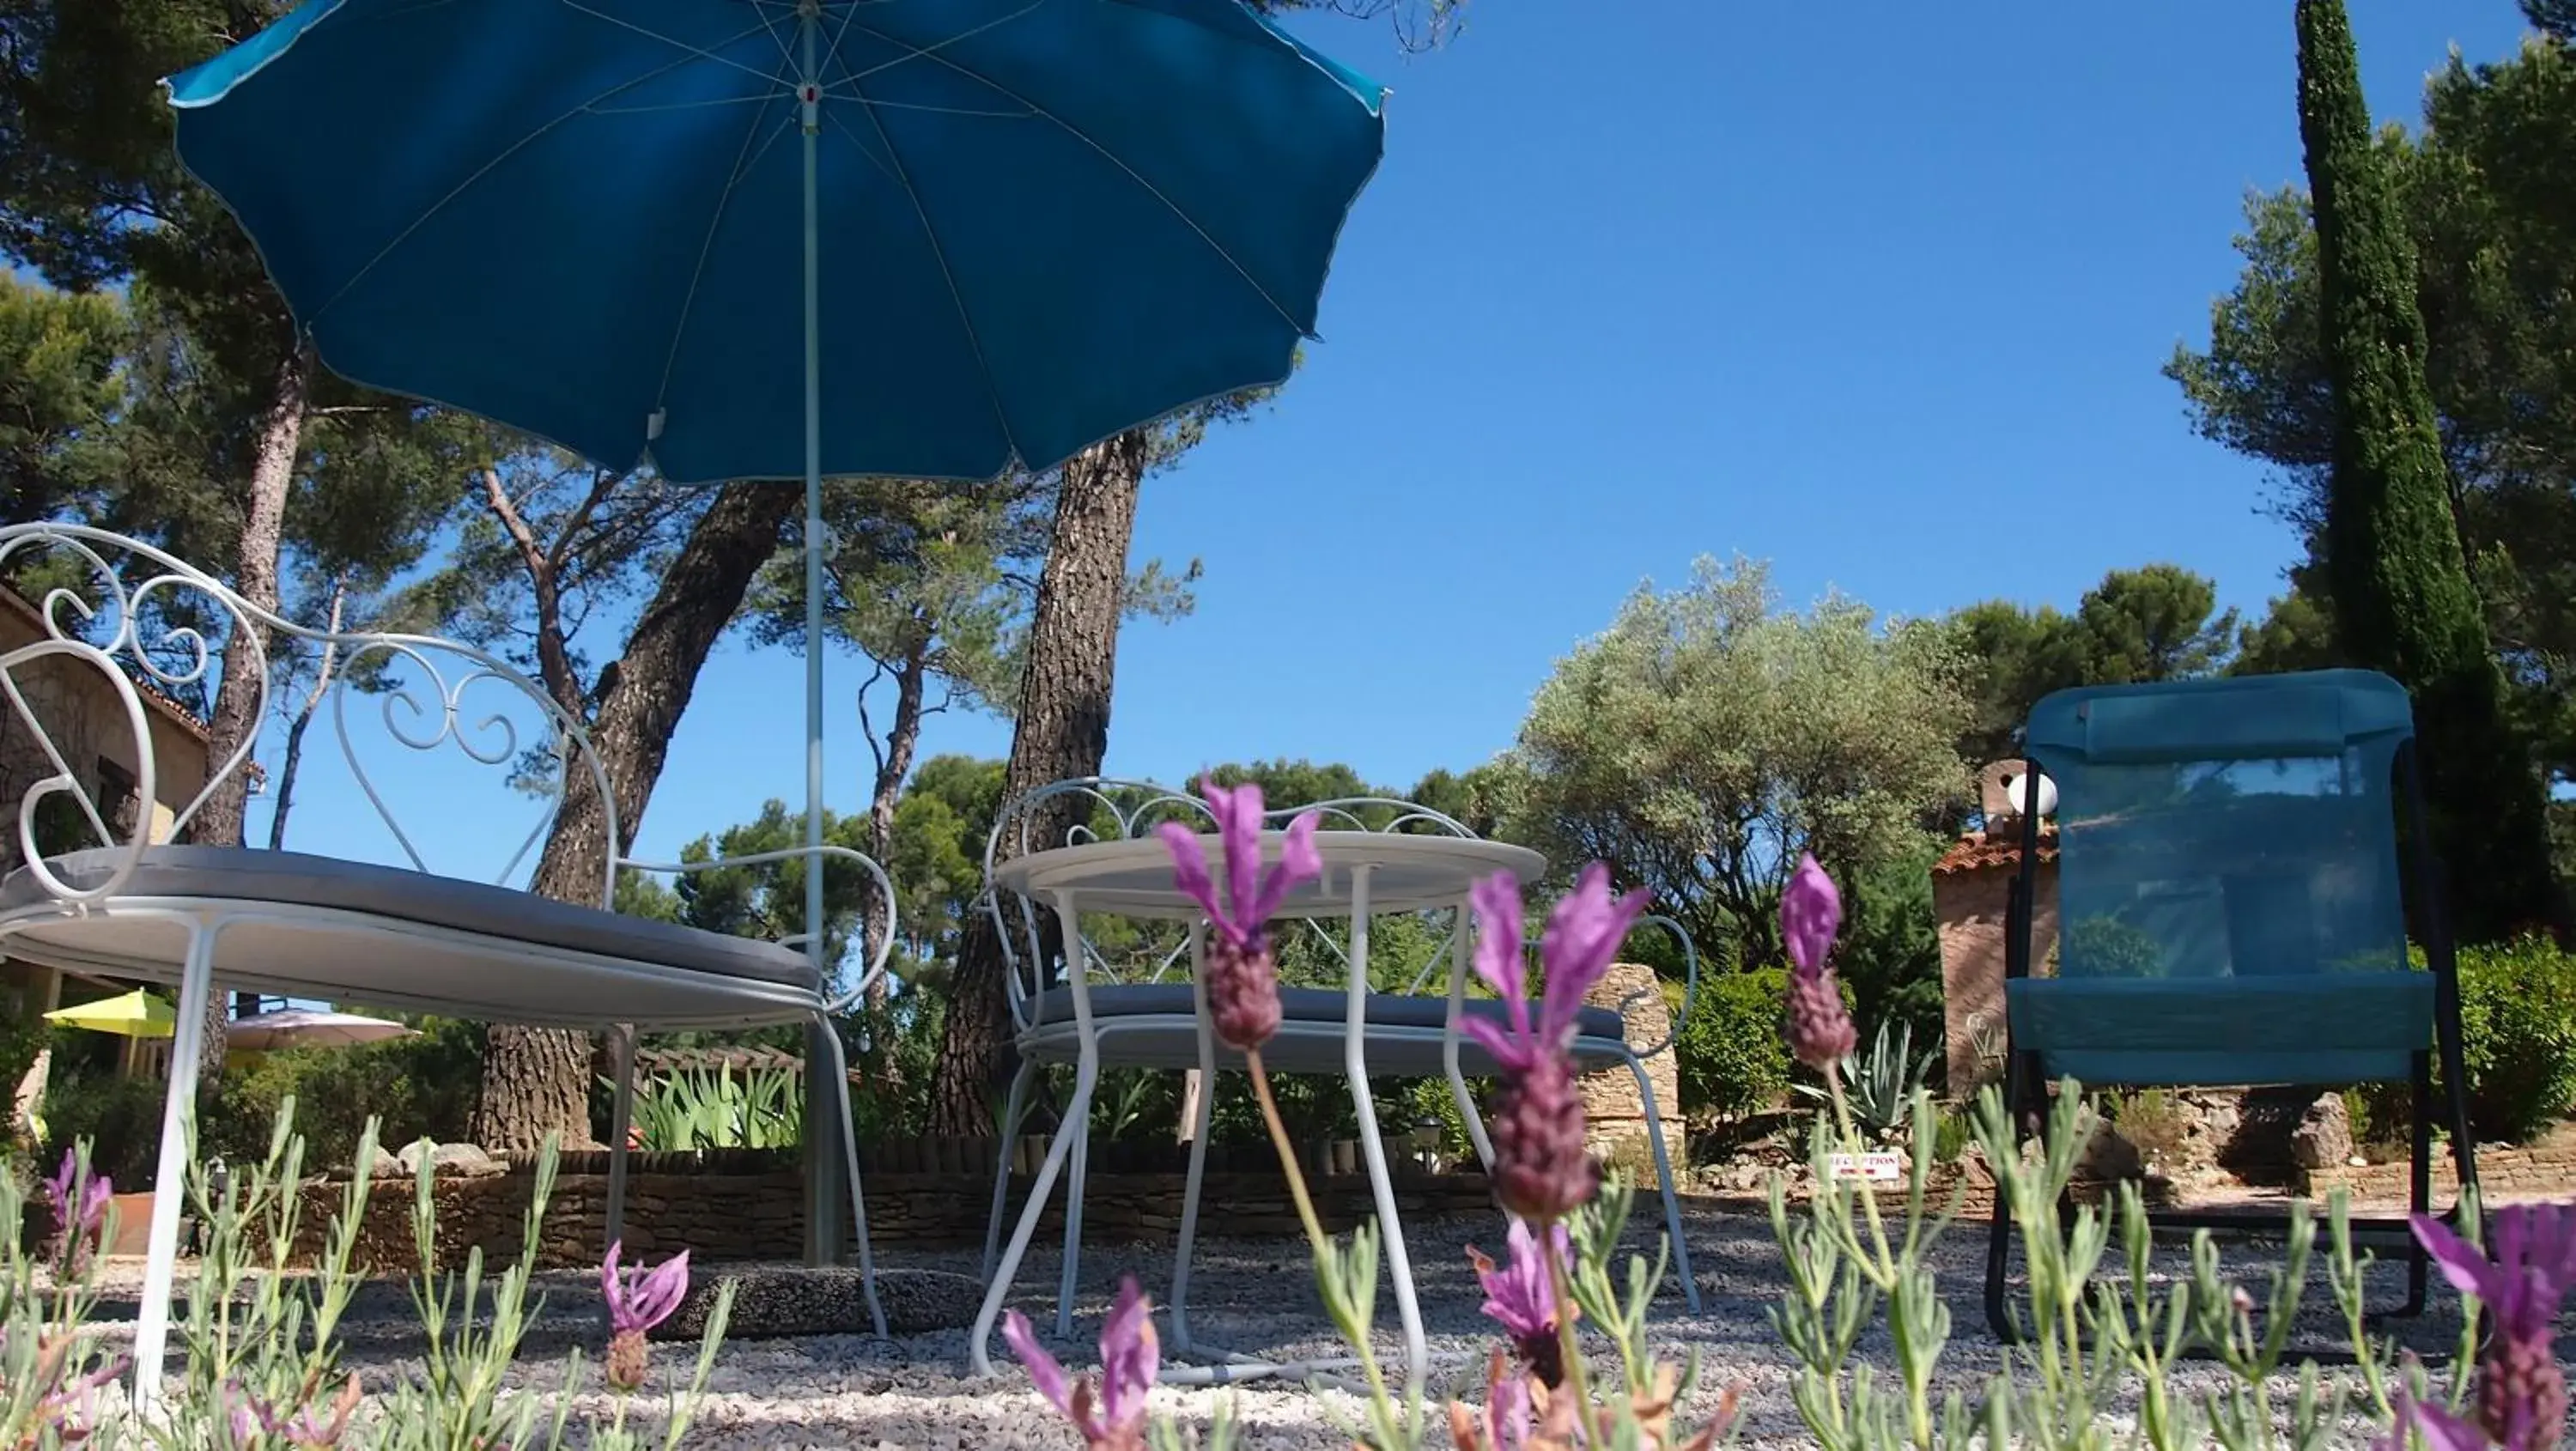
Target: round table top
(1408, 873)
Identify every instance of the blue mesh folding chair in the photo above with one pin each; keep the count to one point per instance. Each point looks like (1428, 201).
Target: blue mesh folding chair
(2230, 908)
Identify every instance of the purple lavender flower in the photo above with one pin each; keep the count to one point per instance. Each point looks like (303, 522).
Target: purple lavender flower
(70, 1409)
(1811, 916)
(1242, 980)
(1521, 1298)
(2522, 1392)
(1542, 1170)
(79, 1202)
(637, 1303)
(1114, 1419)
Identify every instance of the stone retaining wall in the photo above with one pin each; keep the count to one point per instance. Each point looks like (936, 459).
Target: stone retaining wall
(2507, 1173)
(762, 1216)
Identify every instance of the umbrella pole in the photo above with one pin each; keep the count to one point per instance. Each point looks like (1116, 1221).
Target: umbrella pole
(823, 1188)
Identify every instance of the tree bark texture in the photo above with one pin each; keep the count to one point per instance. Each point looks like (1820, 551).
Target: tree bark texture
(241, 691)
(536, 1081)
(1062, 732)
(2404, 601)
(902, 743)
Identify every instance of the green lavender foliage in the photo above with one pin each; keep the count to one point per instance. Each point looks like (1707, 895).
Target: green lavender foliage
(256, 1334)
(2095, 1325)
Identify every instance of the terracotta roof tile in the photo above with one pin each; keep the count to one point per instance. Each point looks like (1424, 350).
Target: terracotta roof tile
(1973, 852)
(152, 694)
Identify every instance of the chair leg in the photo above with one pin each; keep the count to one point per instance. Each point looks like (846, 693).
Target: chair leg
(2455, 1084)
(850, 1166)
(1200, 1126)
(1012, 1110)
(621, 1057)
(1664, 1175)
(2000, 1231)
(1076, 1185)
(1399, 1265)
(1086, 1076)
(2419, 1186)
(170, 1182)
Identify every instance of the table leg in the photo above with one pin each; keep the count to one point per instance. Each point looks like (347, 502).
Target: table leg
(1417, 1352)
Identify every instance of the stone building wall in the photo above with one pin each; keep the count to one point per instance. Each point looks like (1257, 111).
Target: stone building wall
(1971, 886)
(1614, 1111)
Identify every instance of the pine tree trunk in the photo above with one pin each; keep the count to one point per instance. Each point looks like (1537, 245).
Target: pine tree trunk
(1062, 732)
(241, 695)
(903, 741)
(2404, 602)
(536, 1081)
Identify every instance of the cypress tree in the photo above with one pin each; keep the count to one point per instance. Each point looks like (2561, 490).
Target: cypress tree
(2404, 603)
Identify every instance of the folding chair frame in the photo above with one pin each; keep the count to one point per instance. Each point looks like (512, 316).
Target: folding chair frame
(2026, 1086)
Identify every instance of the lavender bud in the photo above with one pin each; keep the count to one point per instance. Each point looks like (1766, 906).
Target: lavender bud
(1242, 991)
(626, 1361)
(1542, 1170)
(2522, 1392)
(1820, 1027)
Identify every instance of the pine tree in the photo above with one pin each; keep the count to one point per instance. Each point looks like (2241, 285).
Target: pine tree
(2404, 603)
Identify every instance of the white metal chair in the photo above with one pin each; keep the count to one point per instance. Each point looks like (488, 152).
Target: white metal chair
(1101, 1017)
(135, 905)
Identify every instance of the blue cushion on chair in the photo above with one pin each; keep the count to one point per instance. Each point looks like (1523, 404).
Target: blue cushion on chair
(2322, 1028)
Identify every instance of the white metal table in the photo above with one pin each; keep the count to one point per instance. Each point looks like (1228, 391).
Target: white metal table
(1366, 873)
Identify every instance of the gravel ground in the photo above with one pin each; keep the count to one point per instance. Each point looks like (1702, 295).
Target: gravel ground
(1255, 1296)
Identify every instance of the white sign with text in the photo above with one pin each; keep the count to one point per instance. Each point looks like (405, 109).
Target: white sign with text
(1882, 1166)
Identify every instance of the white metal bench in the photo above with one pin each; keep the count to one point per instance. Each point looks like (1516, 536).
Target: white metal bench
(138, 903)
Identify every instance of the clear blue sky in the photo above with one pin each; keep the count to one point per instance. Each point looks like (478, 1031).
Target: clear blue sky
(1861, 290)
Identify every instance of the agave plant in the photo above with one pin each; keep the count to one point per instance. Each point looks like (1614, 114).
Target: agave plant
(703, 1109)
(1880, 1088)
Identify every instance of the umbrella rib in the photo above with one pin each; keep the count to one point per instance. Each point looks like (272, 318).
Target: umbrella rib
(913, 52)
(1113, 158)
(743, 161)
(965, 319)
(692, 52)
(486, 169)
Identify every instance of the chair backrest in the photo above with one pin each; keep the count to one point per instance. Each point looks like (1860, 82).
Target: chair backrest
(113, 653)
(1100, 808)
(2236, 827)
(110, 648)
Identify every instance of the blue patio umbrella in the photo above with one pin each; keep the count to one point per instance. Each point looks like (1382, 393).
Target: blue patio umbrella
(757, 239)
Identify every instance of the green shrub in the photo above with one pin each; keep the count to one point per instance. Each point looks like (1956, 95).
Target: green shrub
(2518, 1015)
(419, 1087)
(120, 1117)
(1731, 1057)
(21, 1039)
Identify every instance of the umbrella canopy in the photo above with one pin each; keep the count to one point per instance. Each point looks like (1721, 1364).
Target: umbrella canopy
(785, 239)
(1040, 221)
(137, 1014)
(299, 1028)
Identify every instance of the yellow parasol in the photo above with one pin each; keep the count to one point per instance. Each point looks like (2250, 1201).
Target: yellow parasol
(137, 1014)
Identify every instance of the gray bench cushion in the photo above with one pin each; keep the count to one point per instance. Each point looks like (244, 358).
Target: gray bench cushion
(1306, 1005)
(244, 874)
